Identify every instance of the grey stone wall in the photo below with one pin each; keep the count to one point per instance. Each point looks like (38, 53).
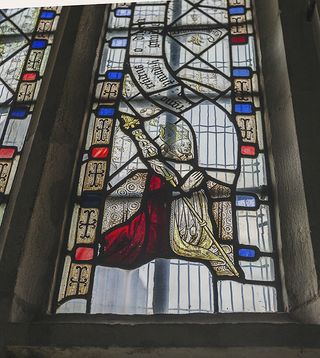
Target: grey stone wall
(291, 72)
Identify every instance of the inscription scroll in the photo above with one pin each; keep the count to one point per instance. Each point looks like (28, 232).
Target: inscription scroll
(146, 43)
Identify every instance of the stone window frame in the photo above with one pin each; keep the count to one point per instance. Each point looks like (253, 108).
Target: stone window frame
(33, 230)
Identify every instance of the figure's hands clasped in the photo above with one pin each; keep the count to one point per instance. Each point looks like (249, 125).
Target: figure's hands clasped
(192, 181)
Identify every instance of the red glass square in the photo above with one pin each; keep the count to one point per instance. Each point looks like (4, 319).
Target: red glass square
(248, 150)
(7, 153)
(84, 253)
(100, 152)
(29, 76)
(239, 40)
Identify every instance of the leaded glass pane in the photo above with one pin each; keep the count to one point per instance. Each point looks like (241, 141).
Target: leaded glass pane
(172, 209)
(26, 37)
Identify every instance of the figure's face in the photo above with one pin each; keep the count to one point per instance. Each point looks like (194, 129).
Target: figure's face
(184, 146)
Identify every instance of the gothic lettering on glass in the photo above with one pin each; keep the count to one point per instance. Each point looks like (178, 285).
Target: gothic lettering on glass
(172, 202)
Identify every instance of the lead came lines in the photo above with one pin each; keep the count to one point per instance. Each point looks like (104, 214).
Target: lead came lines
(179, 98)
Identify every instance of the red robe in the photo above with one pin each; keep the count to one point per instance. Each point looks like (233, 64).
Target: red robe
(143, 237)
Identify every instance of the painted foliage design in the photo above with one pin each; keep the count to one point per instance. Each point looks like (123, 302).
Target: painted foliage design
(173, 143)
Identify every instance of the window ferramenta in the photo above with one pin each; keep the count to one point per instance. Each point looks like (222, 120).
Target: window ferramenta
(172, 205)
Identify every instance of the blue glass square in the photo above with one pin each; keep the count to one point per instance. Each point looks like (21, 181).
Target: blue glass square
(247, 253)
(114, 75)
(106, 111)
(241, 72)
(38, 44)
(19, 112)
(243, 108)
(47, 15)
(237, 10)
(246, 201)
(123, 12)
(119, 42)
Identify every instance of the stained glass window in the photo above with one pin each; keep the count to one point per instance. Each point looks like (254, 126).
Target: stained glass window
(26, 37)
(172, 209)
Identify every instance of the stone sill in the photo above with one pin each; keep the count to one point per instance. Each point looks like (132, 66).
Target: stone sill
(114, 352)
(183, 331)
(189, 318)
